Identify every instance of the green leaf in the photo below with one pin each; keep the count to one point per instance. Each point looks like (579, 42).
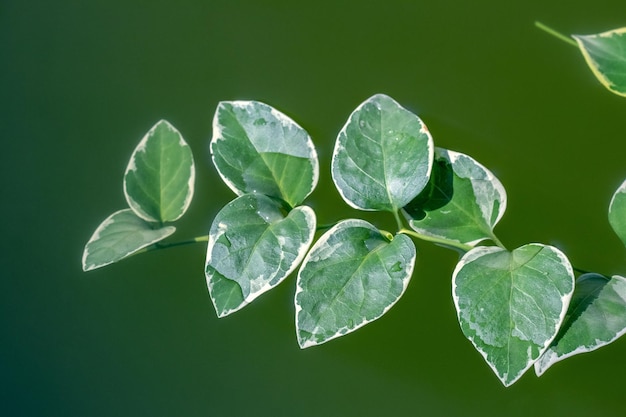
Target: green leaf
(595, 318)
(605, 54)
(159, 179)
(253, 246)
(351, 276)
(461, 204)
(257, 149)
(510, 305)
(383, 156)
(118, 236)
(617, 212)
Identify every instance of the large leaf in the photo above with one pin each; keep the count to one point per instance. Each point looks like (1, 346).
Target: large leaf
(159, 179)
(617, 212)
(383, 156)
(511, 304)
(253, 246)
(605, 54)
(352, 276)
(595, 318)
(460, 205)
(118, 236)
(256, 148)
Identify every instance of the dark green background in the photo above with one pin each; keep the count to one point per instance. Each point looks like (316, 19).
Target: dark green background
(82, 81)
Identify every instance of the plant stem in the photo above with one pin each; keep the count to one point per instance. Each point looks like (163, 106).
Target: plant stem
(444, 242)
(160, 245)
(398, 220)
(556, 34)
(495, 240)
(386, 234)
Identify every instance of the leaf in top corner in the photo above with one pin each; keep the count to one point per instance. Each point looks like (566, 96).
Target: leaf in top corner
(605, 54)
(462, 202)
(253, 246)
(159, 178)
(352, 276)
(617, 212)
(382, 157)
(257, 149)
(118, 236)
(595, 318)
(510, 305)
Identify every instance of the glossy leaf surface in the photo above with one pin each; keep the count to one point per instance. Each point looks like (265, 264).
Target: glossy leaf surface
(461, 204)
(253, 246)
(160, 175)
(605, 54)
(382, 157)
(257, 149)
(118, 236)
(510, 305)
(351, 276)
(595, 318)
(617, 212)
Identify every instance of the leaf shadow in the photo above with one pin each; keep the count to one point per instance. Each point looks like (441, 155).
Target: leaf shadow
(588, 289)
(437, 193)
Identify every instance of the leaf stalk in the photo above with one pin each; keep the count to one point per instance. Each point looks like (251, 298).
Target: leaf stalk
(463, 247)
(556, 34)
(161, 245)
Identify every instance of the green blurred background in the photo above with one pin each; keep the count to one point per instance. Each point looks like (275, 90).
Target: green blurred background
(82, 81)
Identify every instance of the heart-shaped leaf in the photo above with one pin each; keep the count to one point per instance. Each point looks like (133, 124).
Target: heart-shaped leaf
(383, 156)
(595, 318)
(510, 305)
(461, 204)
(118, 236)
(159, 178)
(253, 246)
(352, 276)
(617, 212)
(257, 149)
(605, 54)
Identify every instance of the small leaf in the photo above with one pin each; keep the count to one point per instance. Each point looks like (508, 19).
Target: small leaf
(257, 149)
(159, 179)
(605, 54)
(352, 276)
(511, 304)
(118, 236)
(617, 212)
(383, 156)
(461, 204)
(595, 318)
(253, 246)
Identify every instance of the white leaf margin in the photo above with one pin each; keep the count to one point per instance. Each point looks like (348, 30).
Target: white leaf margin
(486, 210)
(141, 148)
(283, 119)
(316, 247)
(547, 359)
(340, 146)
(481, 251)
(592, 63)
(302, 251)
(620, 190)
(106, 223)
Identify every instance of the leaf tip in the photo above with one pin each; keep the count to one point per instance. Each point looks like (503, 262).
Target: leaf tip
(305, 340)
